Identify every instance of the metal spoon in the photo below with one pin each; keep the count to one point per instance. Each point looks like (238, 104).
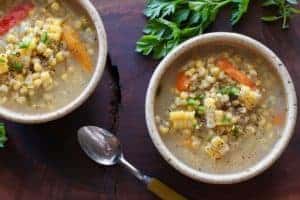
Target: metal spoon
(105, 149)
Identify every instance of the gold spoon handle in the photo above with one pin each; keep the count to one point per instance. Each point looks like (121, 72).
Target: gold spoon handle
(163, 191)
(154, 185)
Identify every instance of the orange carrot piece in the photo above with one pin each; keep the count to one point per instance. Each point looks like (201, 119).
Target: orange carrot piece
(77, 48)
(182, 82)
(278, 119)
(234, 73)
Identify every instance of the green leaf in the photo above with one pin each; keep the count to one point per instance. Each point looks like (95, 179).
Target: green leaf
(285, 11)
(269, 3)
(174, 21)
(160, 8)
(294, 10)
(241, 7)
(190, 32)
(195, 18)
(154, 27)
(2, 60)
(294, 2)
(270, 18)
(146, 44)
(3, 138)
(196, 5)
(173, 26)
(180, 16)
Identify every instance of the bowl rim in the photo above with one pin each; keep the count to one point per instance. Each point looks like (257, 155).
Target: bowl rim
(282, 141)
(24, 118)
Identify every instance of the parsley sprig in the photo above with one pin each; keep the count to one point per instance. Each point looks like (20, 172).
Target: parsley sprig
(173, 21)
(285, 10)
(3, 137)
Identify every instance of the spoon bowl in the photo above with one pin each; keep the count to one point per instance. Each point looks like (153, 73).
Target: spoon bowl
(100, 145)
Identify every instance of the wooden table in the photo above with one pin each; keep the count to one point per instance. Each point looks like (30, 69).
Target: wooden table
(45, 161)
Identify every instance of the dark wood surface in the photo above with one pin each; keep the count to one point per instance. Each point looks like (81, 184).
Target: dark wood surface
(45, 162)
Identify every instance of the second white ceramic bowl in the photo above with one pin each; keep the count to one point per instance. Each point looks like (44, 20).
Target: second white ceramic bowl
(291, 102)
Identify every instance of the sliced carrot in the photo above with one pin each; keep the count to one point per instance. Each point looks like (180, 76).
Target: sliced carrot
(77, 48)
(182, 82)
(278, 119)
(234, 73)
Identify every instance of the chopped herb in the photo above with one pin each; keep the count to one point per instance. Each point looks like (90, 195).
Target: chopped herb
(17, 66)
(25, 43)
(231, 91)
(192, 102)
(235, 131)
(200, 97)
(2, 60)
(44, 37)
(226, 120)
(15, 53)
(200, 110)
(3, 137)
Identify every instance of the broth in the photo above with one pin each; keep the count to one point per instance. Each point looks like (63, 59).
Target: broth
(196, 134)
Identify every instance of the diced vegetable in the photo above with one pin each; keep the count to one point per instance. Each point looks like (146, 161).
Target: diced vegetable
(231, 91)
(210, 106)
(192, 102)
(210, 103)
(235, 130)
(54, 29)
(44, 37)
(182, 82)
(182, 119)
(249, 97)
(17, 66)
(200, 97)
(222, 118)
(25, 43)
(14, 16)
(77, 48)
(217, 148)
(3, 63)
(278, 119)
(234, 73)
(200, 110)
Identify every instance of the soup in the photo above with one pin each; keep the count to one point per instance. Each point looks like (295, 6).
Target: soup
(220, 109)
(47, 53)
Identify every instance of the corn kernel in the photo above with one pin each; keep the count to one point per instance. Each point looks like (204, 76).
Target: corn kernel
(59, 56)
(55, 6)
(37, 83)
(64, 76)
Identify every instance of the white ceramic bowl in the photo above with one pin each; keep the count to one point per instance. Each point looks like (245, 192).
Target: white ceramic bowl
(291, 101)
(97, 74)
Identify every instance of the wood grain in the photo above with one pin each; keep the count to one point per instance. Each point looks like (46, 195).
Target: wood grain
(45, 162)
